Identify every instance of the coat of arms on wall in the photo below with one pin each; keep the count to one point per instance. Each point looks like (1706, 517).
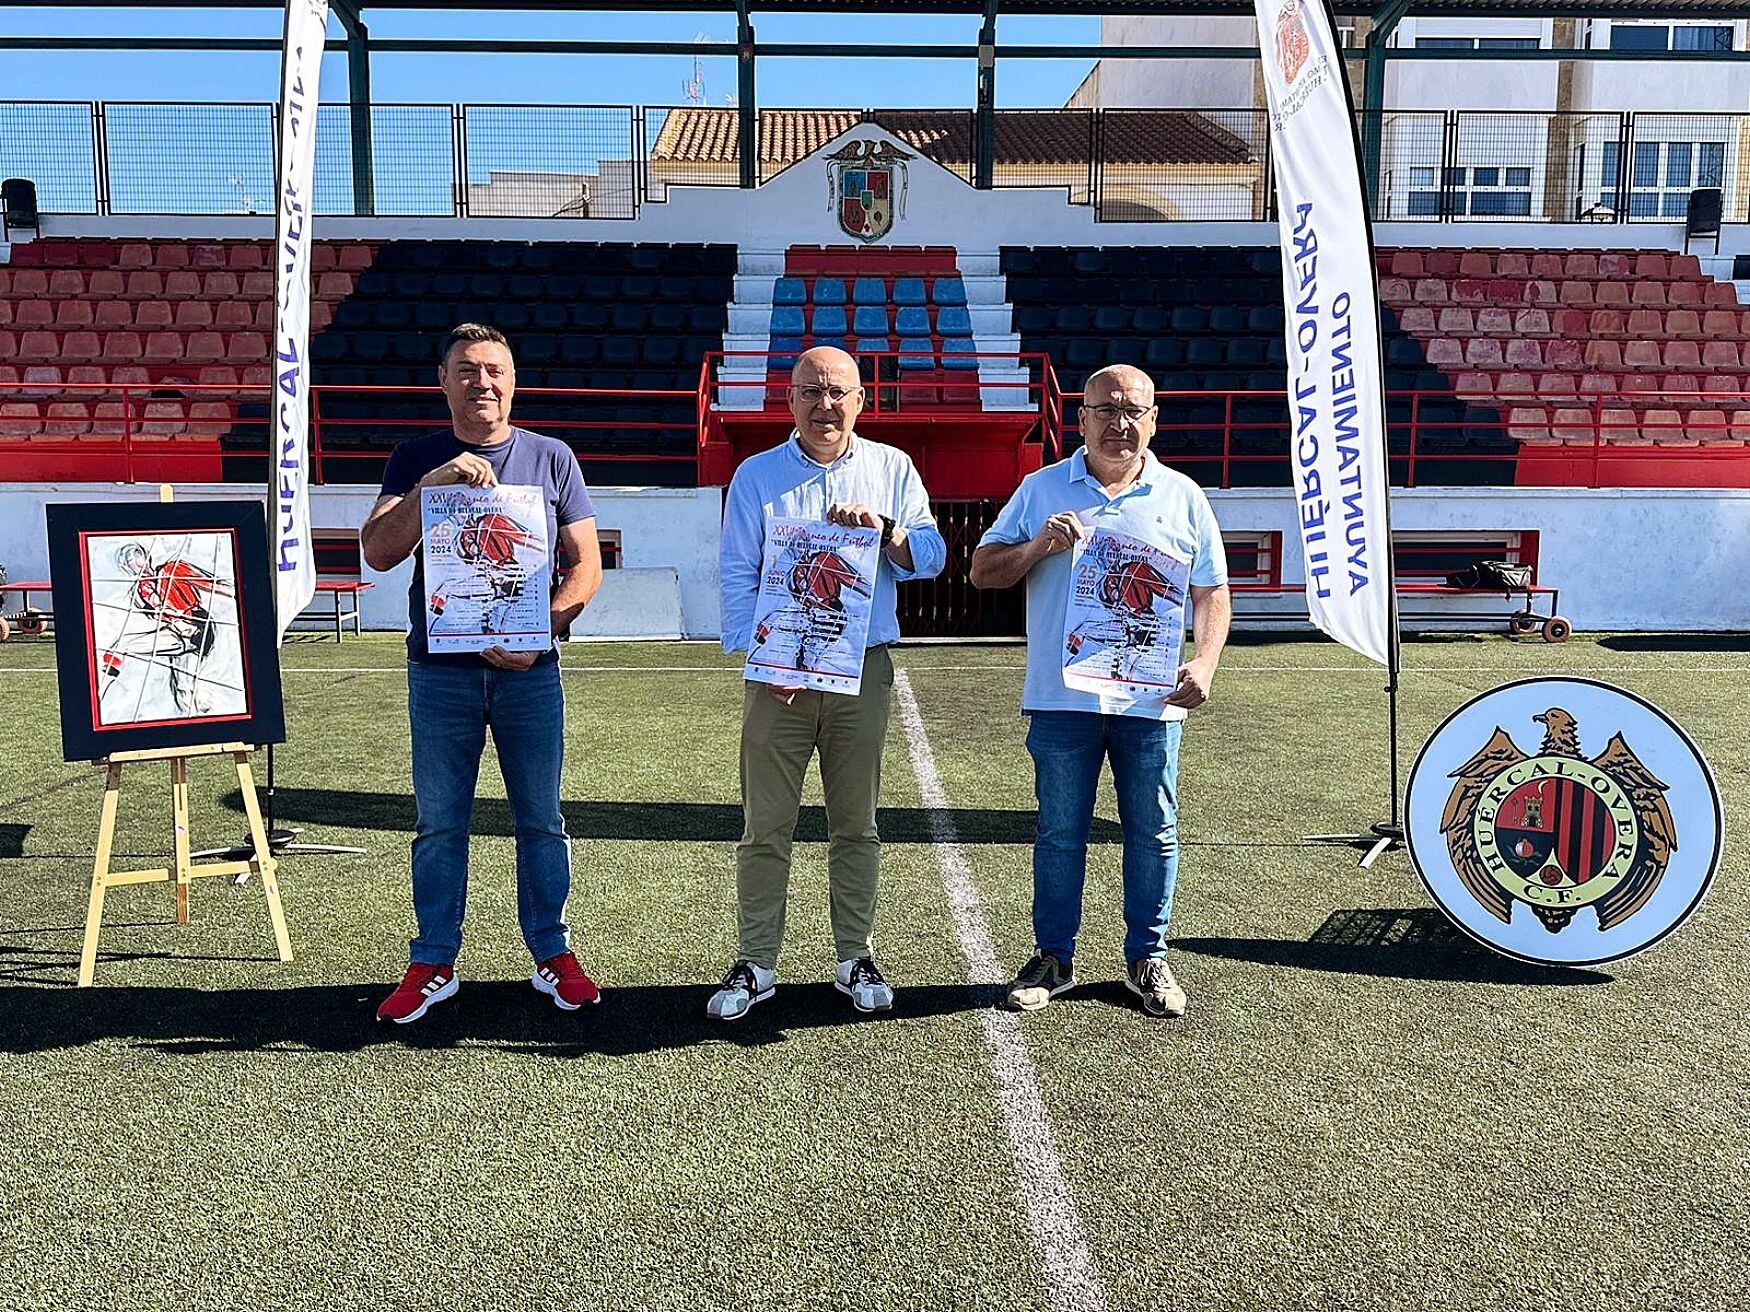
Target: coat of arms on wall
(866, 184)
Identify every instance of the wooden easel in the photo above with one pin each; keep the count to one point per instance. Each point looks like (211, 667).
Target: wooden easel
(184, 871)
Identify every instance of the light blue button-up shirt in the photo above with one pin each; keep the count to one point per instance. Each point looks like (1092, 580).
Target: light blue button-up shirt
(785, 483)
(1162, 507)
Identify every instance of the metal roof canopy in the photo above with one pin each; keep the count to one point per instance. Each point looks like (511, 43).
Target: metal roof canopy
(1385, 16)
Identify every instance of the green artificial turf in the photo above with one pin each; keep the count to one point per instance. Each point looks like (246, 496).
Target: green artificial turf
(1361, 1110)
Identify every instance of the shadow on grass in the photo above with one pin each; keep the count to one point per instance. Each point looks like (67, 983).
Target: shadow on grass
(12, 840)
(1418, 943)
(495, 1013)
(1672, 642)
(652, 822)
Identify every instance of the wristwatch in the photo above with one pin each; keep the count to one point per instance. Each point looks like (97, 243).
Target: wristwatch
(887, 526)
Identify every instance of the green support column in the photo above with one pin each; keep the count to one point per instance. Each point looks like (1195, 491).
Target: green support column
(747, 125)
(984, 167)
(358, 95)
(1385, 22)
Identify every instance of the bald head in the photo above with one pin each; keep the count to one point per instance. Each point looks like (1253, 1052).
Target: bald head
(1118, 419)
(826, 396)
(1126, 378)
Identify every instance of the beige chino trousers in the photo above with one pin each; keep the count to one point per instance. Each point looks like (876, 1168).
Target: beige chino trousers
(777, 742)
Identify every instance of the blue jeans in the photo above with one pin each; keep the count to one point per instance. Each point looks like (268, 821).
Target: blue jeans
(1067, 749)
(449, 708)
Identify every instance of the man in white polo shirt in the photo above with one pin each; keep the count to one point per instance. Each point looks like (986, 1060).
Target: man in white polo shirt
(1115, 483)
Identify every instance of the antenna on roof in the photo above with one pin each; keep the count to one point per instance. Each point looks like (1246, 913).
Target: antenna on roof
(694, 88)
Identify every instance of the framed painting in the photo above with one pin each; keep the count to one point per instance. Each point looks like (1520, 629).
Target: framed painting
(164, 626)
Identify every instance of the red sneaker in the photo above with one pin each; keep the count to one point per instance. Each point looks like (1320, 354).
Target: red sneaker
(563, 980)
(420, 987)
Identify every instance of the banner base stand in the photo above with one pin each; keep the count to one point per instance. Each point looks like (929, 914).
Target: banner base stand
(1377, 841)
(283, 842)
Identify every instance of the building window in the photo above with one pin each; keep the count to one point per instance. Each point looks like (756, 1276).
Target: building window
(1484, 191)
(1661, 175)
(1476, 43)
(1658, 36)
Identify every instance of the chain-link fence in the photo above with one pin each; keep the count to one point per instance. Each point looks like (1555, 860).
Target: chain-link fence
(606, 161)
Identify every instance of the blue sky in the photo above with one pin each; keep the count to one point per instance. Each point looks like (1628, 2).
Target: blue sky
(507, 79)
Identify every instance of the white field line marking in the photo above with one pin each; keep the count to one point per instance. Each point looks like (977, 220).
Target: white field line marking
(1070, 1276)
(1226, 670)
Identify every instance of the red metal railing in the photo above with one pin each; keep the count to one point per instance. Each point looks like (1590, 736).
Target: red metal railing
(111, 427)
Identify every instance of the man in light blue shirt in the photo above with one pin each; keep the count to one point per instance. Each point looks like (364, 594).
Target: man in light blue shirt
(1114, 483)
(826, 472)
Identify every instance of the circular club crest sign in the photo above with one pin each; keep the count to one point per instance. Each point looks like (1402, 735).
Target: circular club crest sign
(1563, 821)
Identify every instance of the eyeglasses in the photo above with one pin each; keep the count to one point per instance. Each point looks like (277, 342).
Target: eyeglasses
(1109, 414)
(815, 395)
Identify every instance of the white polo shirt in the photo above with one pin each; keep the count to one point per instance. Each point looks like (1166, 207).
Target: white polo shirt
(1162, 507)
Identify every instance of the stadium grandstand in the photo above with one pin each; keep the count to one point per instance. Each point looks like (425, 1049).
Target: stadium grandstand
(1564, 331)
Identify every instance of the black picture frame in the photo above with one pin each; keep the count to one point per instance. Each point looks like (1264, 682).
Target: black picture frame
(164, 632)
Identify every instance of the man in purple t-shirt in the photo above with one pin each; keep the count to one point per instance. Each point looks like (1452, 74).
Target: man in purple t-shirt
(452, 699)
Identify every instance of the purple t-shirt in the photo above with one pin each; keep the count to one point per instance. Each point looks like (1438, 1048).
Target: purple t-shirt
(525, 458)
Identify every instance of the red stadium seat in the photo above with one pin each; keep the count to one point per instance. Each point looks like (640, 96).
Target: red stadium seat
(1572, 425)
(247, 255)
(1682, 355)
(1580, 266)
(1720, 296)
(170, 255)
(134, 255)
(1495, 320)
(37, 346)
(1616, 264)
(1443, 351)
(1408, 264)
(87, 373)
(221, 284)
(1563, 354)
(34, 314)
(41, 380)
(334, 286)
(1642, 293)
(1558, 385)
(233, 314)
(30, 282)
(66, 282)
(1513, 264)
(1683, 323)
(1690, 295)
(1470, 291)
(1720, 355)
(1577, 293)
(1431, 291)
(154, 314)
(1547, 265)
(1685, 267)
(258, 283)
(74, 313)
(1457, 321)
(19, 420)
(67, 419)
(181, 284)
(1528, 424)
(144, 284)
(1614, 293)
(1441, 264)
(1417, 319)
(218, 375)
(354, 258)
(1664, 426)
(1740, 426)
(193, 314)
(1532, 322)
(1641, 354)
(1651, 264)
(1394, 291)
(161, 347)
(206, 255)
(106, 284)
(121, 347)
(1476, 264)
(76, 346)
(1603, 353)
(1597, 385)
(1522, 353)
(247, 348)
(203, 348)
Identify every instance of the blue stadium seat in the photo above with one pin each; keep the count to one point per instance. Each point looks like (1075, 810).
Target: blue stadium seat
(537, 350)
(486, 287)
(784, 351)
(912, 321)
(789, 291)
(431, 316)
(870, 320)
(864, 344)
(629, 319)
(917, 353)
(550, 317)
(661, 350)
(1085, 353)
(525, 287)
(948, 291)
(563, 287)
(512, 318)
(1276, 352)
(1190, 319)
(619, 352)
(500, 256)
(1032, 320)
(1074, 319)
(1264, 319)
(1150, 319)
(590, 318)
(1245, 352)
(954, 321)
(352, 315)
(666, 319)
(870, 291)
(1019, 259)
(601, 287)
(1090, 262)
(373, 284)
(963, 346)
(1204, 352)
(1227, 319)
(787, 321)
(705, 319)
(908, 291)
(672, 288)
(1164, 351)
(1111, 319)
(829, 291)
(449, 286)
(580, 350)
(638, 287)
(829, 320)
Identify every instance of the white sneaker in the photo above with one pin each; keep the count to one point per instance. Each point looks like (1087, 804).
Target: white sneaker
(744, 985)
(860, 980)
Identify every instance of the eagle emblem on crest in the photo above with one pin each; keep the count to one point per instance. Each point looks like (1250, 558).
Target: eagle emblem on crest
(1556, 830)
(1293, 45)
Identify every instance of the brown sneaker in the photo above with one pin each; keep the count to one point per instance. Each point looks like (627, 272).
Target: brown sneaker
(1153, 982)
(1040, 980)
